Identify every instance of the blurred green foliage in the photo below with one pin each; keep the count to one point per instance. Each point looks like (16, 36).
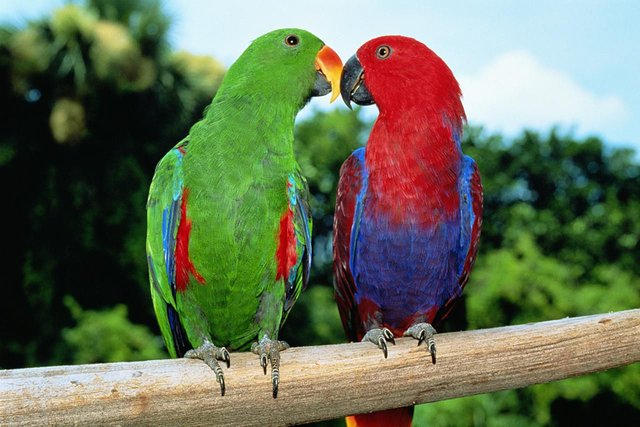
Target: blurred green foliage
(93, 96)
(108, 336)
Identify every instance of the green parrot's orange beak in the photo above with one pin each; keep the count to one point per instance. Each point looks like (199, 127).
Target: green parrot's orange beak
(329, 64)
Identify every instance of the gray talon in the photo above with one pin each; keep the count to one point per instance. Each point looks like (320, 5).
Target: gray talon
(388, 335)
(210, 354)
(383, 345)
(270, 349)
(226, 357)
(424, 332)
(220, 379)
(379, 337)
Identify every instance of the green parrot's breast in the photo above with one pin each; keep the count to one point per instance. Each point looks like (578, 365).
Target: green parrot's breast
(235, 209)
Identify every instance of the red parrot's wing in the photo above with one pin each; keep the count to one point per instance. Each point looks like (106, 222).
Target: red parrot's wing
(348, 205)
(471, 224)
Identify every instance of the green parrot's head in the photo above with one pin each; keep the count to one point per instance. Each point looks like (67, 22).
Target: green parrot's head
(288, 65)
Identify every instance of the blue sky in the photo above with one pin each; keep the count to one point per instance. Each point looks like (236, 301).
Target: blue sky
(575, 64)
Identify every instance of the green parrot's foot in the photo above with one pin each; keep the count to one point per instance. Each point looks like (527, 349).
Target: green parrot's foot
(271, 349)
(424, 332)
(379, 337)
(210, 354)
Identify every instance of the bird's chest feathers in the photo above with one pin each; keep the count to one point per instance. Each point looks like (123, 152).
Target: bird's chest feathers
(411, 207)
(241, 218)
(412, 184)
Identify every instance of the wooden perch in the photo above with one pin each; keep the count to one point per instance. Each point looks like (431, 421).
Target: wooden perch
(319, 382)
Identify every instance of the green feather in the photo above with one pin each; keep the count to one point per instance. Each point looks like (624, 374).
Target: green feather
(237, 164)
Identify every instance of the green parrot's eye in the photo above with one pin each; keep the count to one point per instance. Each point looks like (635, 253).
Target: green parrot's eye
(383, 52)
(291, 40)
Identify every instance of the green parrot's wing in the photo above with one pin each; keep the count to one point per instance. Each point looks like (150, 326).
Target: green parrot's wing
(163, 216)
(302, 223)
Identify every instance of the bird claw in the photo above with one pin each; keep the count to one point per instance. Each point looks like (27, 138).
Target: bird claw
(263, 362)
(424, 332)
(270, 349)
(210, 354)
(380, 336)
(226, 357)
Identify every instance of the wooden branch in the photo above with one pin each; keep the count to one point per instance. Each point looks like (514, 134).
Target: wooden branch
(319, 382)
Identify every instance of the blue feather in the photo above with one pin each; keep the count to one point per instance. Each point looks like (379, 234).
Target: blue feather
(359, 155)
(466, 208)
(170, 218)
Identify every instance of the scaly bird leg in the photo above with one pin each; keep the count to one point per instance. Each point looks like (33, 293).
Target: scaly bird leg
(267, 348)
(379, 337)
(210, 354)
(424, 332)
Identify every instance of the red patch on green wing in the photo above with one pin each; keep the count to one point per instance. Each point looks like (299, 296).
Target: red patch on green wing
(286, 255)
(184, 264)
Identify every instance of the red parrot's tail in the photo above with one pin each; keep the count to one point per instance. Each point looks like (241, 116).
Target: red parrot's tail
(400, 417)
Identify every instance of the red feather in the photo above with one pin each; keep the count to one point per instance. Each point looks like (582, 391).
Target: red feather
(286, 255)
(184, 264)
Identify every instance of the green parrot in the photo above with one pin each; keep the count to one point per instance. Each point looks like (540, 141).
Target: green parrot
(228, 221)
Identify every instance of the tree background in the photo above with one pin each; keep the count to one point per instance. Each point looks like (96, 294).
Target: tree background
(93, 96)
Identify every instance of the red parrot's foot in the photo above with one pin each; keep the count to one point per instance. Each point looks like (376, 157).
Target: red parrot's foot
(210, 354)
(424, 332)
(379, 337)
(266, 347)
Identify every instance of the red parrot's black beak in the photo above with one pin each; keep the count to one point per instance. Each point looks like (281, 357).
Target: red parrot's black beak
(352, 84)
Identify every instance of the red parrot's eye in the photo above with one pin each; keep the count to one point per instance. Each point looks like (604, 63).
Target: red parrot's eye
(291, 40)
(383, 52)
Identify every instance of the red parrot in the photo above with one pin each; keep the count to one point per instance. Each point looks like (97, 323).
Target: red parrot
(409, 205)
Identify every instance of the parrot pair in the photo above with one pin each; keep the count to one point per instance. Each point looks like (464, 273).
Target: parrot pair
(229, 227)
